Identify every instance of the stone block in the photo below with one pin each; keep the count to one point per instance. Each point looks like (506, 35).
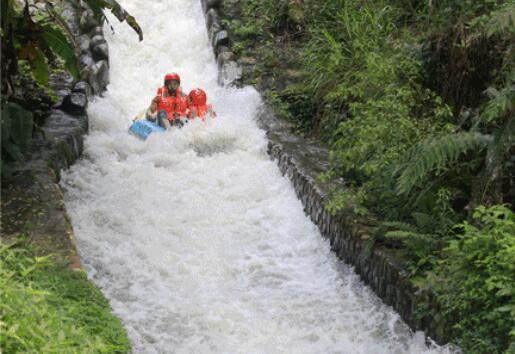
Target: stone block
(230, 74)
(75, 103)
(82, 86)
(100, 52)
(97, 31)
(99, 76)
(224, 57)
(96, 40)
(212, 17)
(221, 38)
(83, 42)
(210, 4)
(216, 27)
(86, 61)
(222, 49)
(87, 21)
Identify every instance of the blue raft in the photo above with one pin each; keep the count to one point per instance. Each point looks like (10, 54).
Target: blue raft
(143, 128)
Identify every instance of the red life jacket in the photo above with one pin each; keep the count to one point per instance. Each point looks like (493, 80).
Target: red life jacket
(201, 111)
(172, 105)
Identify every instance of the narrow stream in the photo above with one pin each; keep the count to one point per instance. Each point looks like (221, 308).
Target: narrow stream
(199, 243)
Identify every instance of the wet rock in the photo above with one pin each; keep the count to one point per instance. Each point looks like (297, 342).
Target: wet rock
(100, 52)
(225, 57)
(212, 17)
(222, 49)
(75, 103)
(247, 61)
(87, 21)
(230, 74)
(96, 40)
(83, 42)
(86, 61)
(69, 16)
(216, 27)
(99, 76)
(221, 38)
(83, 87)
(97, 31)
(210, 4)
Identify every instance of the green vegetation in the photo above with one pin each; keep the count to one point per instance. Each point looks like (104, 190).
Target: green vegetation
(416, 101)
(47, 308)
(37, 38)
(474, 282)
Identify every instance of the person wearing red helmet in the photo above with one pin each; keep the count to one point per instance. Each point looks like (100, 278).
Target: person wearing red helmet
(198, 107)
(170, 106)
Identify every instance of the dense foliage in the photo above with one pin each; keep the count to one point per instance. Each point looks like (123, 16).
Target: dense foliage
(46, 308)
(474, 282)
(36, 40)
(416, 101)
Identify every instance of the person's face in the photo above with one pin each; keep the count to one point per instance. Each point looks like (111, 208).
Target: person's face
(172, 84)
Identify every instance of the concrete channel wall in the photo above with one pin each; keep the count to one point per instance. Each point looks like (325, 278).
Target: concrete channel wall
(302, 160)
(32, 192)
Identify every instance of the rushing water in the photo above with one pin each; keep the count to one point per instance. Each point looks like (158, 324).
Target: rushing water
(194, 236)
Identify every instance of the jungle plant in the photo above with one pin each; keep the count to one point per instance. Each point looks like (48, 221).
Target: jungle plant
(36, 34)
(491, 139)
(425, 234)
(474, 285)
(46, 308)
(30, 34)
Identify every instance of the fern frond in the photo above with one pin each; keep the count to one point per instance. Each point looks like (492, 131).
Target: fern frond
(437, 154)
(410, 236)
(500, 103)
(424, 221)
(497, 22)
(400, 226)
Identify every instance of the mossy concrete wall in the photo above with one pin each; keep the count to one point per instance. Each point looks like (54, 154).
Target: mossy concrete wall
(32, 201)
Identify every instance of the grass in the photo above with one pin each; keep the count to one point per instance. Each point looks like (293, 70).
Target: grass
(48, 308)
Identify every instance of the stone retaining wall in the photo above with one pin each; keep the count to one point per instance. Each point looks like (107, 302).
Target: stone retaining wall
(303, 160)
(32, 201)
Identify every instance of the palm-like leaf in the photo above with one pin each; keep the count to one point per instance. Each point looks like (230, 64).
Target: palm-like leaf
(436, 154)
(117, 10)
(59, 44)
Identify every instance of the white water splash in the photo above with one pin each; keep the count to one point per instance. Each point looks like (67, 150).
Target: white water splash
(194, 236)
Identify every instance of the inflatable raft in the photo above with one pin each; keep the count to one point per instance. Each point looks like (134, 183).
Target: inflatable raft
(142, 128)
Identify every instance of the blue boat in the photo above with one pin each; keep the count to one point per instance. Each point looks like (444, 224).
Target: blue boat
(142, 128)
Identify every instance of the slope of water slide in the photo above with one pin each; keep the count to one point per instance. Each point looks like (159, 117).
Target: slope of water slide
(199, 243)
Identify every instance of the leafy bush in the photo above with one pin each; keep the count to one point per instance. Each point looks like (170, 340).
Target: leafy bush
(425, 234)
(475, 282)
(49, 309)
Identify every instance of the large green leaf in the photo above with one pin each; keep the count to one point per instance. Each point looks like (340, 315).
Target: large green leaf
(12, 150)
(5, 125)
(39, 67)
(7, 15)
(118, 11)
(21, 124)
(59, 44)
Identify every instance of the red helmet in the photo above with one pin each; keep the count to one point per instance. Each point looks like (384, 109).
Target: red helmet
(198, 97)
(172, 76)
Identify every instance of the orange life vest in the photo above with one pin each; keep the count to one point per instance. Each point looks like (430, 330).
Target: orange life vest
(201, 111)
(172, 105)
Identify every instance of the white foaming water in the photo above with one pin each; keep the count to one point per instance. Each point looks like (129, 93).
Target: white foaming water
(194, 236)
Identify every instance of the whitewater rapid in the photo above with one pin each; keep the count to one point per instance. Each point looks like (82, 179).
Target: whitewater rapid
(194, 236)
